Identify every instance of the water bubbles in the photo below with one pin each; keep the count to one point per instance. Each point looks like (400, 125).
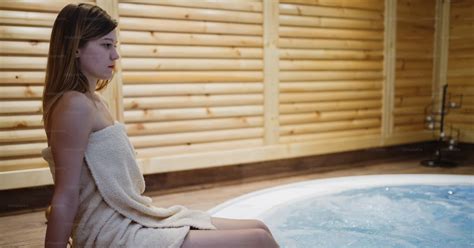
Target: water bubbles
(386, 216)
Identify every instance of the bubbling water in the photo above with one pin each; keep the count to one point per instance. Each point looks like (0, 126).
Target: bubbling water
(395, 216)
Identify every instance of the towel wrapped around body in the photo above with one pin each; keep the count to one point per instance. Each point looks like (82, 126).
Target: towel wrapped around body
(112, 210)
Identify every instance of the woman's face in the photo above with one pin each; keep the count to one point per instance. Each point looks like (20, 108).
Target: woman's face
(97, 57)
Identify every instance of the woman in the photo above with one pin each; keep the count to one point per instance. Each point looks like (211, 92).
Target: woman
(78, 125)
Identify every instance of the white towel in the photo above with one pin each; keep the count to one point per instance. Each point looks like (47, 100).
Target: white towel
(111, 160)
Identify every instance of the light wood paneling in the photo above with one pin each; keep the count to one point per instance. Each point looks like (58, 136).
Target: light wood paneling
(415, 38)
(331, 69)
(248, 80)
(460, 68)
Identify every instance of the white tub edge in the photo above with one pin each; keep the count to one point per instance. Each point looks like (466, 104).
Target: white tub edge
(254, 204)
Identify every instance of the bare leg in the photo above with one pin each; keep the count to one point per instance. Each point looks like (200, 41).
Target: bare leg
(232, 224)
(248, 238)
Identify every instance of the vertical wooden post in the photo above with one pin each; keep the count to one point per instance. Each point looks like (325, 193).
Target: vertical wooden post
(113, 93)
(390, 39)
(271, 71)
(441, 46)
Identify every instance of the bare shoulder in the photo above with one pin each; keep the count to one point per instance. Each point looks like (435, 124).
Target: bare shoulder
(75, 99)
(73, 102)
(73, 108)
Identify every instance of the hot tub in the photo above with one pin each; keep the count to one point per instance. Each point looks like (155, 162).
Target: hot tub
(416, 210)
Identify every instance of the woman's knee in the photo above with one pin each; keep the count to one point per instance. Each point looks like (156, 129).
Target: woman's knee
(260, 225)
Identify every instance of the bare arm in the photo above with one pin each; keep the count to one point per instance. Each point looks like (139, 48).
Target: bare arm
(71, 123)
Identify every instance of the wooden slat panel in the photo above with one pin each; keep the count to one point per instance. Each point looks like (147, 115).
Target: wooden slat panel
(192, 113)
(163, 25)
(328, 54)
(455, 54)
(22, 77)
(193, 125)
(153, 152)
(329, 126)
(362, 4)
(328, 75)
(27, 18)
(137, 37)
(183, 13)
(41, 6)
(251, 6)
(295, 9)
(13, 92)
(190, 89)
(33, 149)
(403, 101)
(190, 77)
(154, 102)
(195, 137)
(23, 47)
(329, 65)
(329, 96)
(330, 85)
(271, 72)
(328, 116)
(129, 50)
(20, 107)
(158, 64)
(22, 136)
(329, 44)
(24, 33)
(327, 33)
(23, 63)
(201, 54)
(287, 139)
(12, 165)
(328, 106)
(328, 22)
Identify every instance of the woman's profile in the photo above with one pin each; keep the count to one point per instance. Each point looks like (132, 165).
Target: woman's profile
(98, 187)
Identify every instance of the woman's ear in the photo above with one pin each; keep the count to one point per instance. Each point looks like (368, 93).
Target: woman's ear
(77, 53)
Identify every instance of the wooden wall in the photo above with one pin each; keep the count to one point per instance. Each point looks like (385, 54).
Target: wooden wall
(415, 35)
(460, 71)
(25, 29)
(214, 83)
(331, 70)
(192, 76)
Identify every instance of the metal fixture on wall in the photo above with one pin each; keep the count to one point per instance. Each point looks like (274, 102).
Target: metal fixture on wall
(435, 121)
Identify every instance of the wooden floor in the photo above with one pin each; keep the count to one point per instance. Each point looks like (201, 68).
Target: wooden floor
(28, 230)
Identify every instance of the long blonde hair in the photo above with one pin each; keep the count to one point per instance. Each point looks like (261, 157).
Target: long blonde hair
(74, 26)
